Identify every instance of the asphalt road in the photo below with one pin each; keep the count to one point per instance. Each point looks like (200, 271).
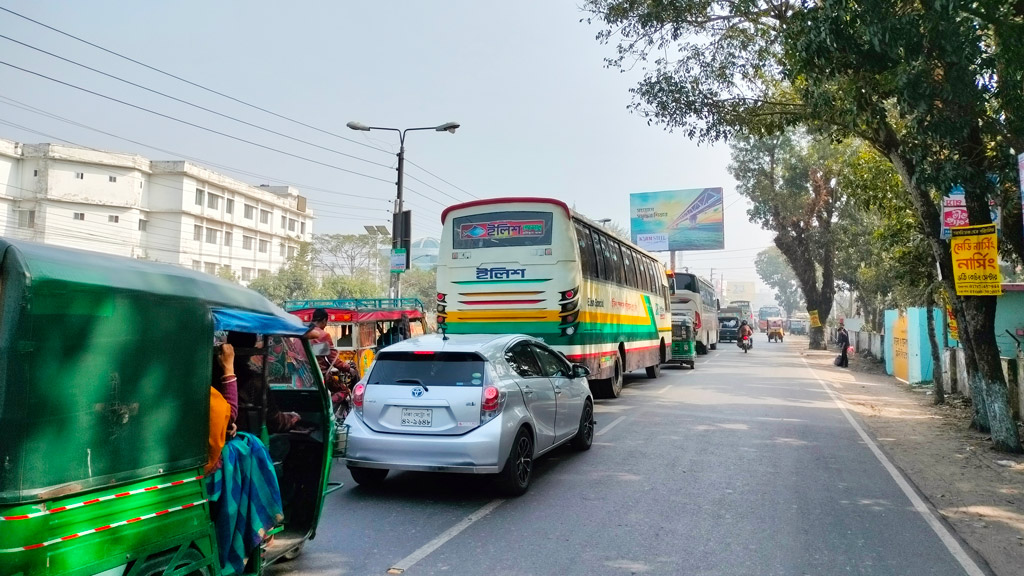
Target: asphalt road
(745, 465)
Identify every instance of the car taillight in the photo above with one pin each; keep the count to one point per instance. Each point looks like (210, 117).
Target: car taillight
(696, 320)
(491, 402)
(358, 394)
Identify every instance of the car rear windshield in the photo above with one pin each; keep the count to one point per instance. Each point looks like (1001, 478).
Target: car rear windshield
(728, 322)
(428, 369)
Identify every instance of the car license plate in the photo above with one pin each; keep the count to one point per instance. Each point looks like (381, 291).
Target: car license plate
(417, 416)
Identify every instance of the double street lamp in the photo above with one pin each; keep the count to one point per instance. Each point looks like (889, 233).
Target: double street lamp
(398, 232)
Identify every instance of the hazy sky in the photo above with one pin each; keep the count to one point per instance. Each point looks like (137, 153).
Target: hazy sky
(540, 113)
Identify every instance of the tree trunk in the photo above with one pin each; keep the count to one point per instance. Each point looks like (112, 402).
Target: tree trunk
(975, 314)
(940, 393)
(980, 312)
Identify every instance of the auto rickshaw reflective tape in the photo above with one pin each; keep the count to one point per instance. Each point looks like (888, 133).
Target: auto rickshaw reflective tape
(100, 499)
(100, 528)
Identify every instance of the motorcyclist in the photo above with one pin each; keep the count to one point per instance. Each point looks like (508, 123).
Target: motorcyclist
(746, 332)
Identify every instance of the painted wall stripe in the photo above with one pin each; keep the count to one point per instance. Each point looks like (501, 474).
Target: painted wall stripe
(100, 499)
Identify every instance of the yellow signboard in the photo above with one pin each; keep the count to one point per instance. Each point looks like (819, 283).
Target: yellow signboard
(815, 322)
(900, 349)
(954, 330)
(976, 261)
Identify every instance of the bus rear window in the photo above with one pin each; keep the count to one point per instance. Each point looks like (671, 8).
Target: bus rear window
(502, 229)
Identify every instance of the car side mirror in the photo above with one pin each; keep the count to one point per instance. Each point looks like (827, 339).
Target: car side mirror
(580, 371)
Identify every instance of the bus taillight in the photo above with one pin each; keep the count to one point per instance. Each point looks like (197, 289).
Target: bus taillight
(696, 320)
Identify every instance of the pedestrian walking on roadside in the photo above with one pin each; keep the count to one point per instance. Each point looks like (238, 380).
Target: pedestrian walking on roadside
(843, 339)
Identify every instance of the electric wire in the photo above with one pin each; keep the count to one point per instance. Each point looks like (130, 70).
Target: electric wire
(197, 106)
(221, 94)
(192, 124)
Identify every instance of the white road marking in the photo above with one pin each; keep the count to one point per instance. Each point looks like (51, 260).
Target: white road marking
(940, 529)
(425, 550)
(665, 389)
(609, 426)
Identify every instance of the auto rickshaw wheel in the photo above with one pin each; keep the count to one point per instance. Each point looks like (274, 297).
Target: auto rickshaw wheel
(160, 563)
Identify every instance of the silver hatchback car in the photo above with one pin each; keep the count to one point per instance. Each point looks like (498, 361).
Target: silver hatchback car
(473, 403)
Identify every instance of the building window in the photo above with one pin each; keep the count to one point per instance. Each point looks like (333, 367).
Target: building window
(262, 272)
(140, 184)
(197, 232)
(200, 194)
(80, 175)
(284, 221)
(264, 216)
(26, 218)
(210, 268)
(35, 173)
(264, 246)
(197, 265)
(250, 212)
(79, 216)
(227, 238)
(247, 242)
(212, 236)
(212, 201)
(302, 228)
(112, 178)
(247, 274)
(142, 225)
(291, 224)
(229, 205)
(282, 250)
(114, 219)
(291, 251)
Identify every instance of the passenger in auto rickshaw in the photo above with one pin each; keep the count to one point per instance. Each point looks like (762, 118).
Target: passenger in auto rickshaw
(245, 499)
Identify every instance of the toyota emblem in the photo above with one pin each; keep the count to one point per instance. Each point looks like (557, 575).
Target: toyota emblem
(417, 392)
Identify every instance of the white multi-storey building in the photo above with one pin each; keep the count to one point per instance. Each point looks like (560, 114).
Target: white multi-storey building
(124, 204)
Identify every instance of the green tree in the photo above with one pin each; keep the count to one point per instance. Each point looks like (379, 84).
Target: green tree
(295, 280)
(792, 185)
(933, 87)
(774, 271)
(422, 284)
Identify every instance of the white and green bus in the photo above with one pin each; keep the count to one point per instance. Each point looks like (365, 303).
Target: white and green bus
(695, 298)
(534, 266)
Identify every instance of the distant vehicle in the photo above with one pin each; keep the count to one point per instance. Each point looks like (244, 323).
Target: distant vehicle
(728, 327)
(534, 266)
(478, 404)
(695, 298)
(799, 324)
(775, 331)
(766, 312)
(746, 311)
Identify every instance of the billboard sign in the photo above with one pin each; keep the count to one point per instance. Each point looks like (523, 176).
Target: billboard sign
(954, 214)
(691, 219)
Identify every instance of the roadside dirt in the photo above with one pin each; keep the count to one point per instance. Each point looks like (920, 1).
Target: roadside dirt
(979, 491)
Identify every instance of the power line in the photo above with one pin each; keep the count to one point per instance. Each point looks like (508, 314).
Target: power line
(16, 104)
(186, 102)
(192, 124)
(223, 95)
(189, 82)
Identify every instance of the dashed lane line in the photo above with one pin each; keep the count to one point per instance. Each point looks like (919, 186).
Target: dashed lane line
(610, 425)
(405, 563)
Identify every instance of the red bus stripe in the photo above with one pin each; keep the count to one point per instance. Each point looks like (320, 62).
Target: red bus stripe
(69, 537)
(122, 494)
(22, 517)
(33, 547)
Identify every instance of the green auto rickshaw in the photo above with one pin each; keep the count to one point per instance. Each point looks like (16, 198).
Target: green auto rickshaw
(105, 377)
(684, 342)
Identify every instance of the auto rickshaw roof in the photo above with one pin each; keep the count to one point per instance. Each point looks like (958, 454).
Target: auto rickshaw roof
(358, 310)
(43, 263)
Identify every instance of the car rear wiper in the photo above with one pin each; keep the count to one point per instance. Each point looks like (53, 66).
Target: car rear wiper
(413, 381)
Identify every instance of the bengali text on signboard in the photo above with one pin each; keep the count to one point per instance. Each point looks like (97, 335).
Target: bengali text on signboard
(975, 253)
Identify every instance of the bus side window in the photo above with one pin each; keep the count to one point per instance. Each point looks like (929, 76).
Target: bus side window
(628, 268)
(588, 258)
(604, 258)
(615, 261)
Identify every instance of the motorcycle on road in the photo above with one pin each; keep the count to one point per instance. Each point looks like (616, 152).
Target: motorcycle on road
(745, 343)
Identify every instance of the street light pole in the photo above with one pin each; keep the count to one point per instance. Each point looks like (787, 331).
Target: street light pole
(397, 231)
